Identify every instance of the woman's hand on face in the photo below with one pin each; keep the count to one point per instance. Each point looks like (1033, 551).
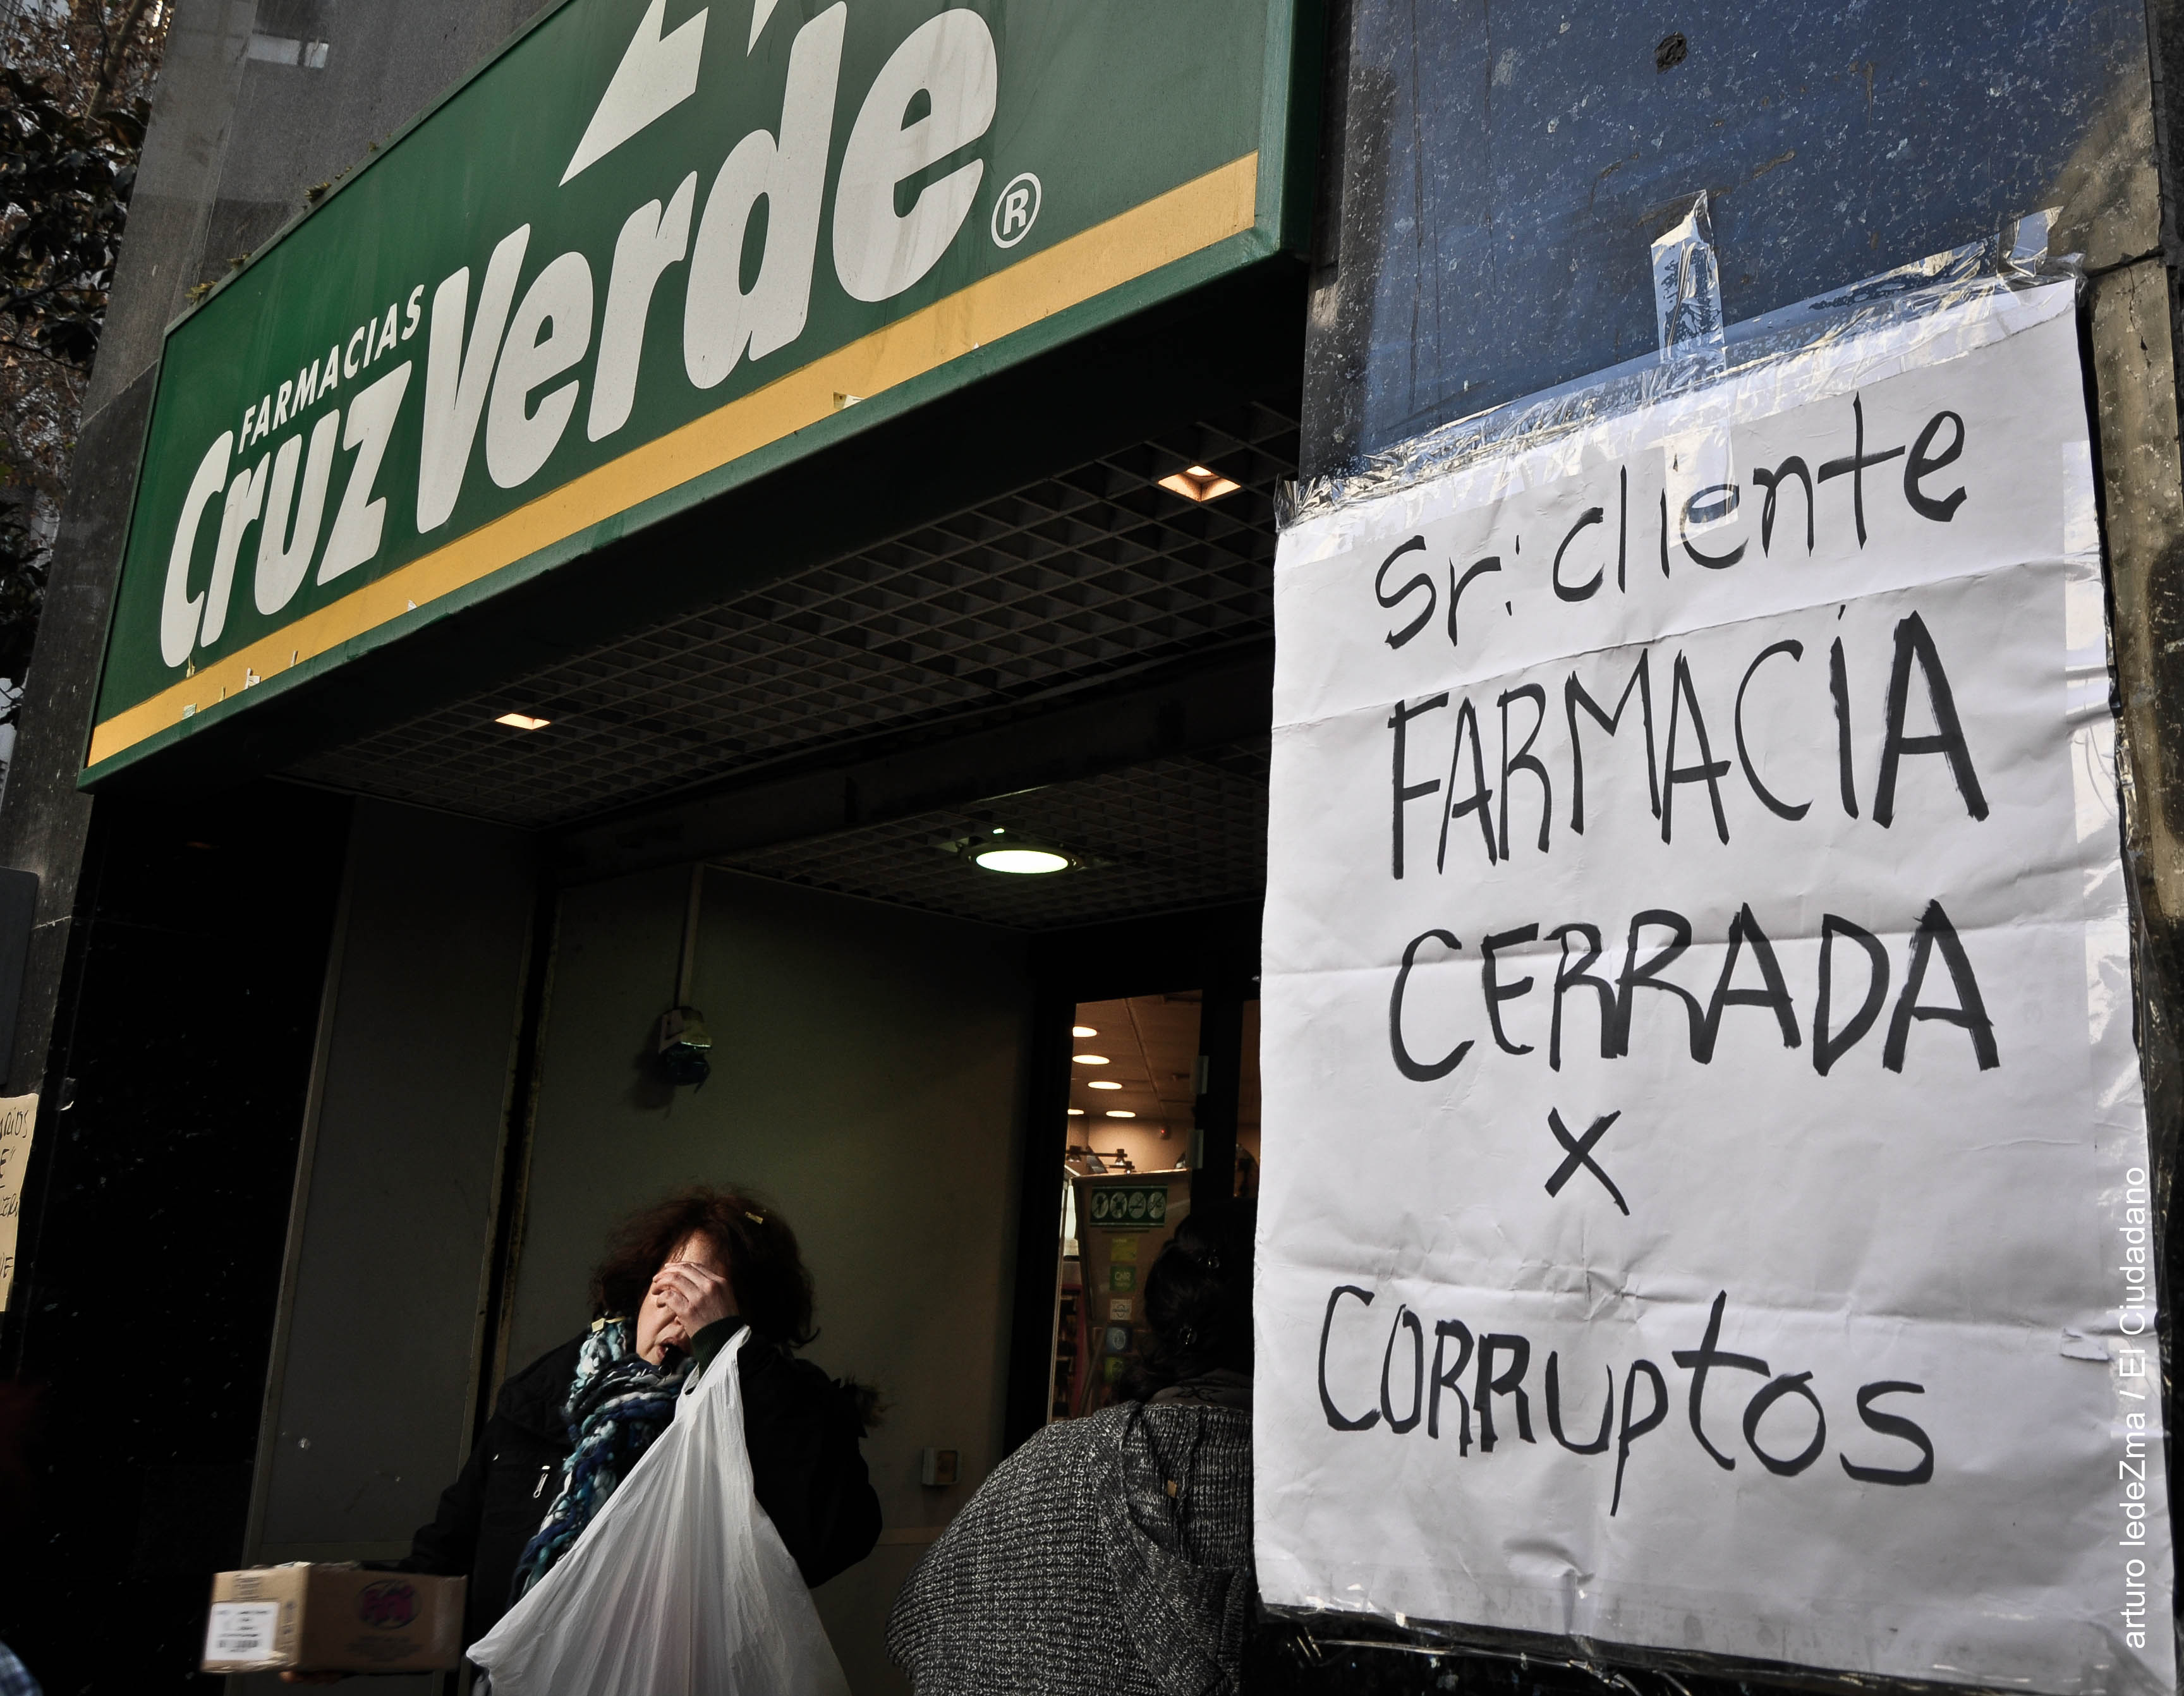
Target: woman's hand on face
(694, 1295)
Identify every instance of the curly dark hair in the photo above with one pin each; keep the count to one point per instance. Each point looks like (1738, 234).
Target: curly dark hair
(1197, 1300)
(773, 1290)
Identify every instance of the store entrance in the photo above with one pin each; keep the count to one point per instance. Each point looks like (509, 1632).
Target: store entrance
(1145, 1087)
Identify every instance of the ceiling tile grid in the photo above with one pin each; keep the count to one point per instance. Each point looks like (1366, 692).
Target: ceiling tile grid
(1163, 836)
(1074, 576)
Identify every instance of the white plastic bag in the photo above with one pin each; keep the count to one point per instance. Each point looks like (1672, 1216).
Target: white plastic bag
(680, 1587)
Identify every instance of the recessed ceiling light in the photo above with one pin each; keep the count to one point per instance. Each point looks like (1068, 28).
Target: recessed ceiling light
(1120, 1113)
(1103, 1083)
(1024, 862)
(1198, 483)
(1089, 1060)
(1083, 1030)
(522, 721)
(1076, 1113)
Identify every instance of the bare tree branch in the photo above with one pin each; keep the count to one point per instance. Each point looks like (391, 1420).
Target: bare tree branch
(75, 87)
(114, 51)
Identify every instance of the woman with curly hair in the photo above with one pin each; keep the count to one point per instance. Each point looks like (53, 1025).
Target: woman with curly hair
(681, 1279)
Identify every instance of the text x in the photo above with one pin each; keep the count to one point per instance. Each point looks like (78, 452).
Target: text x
(1580, 1154)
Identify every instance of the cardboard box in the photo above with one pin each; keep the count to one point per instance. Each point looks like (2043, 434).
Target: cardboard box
(326, 1617)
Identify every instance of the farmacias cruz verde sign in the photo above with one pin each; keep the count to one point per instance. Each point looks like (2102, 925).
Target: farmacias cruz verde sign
(651, 250)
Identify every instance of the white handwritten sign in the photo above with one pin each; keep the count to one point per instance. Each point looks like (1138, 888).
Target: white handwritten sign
(19, 1117)
(1706, 1200)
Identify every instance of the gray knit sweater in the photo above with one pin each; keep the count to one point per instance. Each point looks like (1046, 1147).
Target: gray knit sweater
(1111, 1554)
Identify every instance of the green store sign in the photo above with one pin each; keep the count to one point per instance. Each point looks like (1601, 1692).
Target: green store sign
(652, 250)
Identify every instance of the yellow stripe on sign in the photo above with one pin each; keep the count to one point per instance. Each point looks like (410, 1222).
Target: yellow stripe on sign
(1176, 225)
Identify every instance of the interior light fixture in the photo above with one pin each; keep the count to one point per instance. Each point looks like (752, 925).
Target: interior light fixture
(1020, 859)
(1089, 1060)
(1076, 1113)
(997, 848)
(1083, 1030)
(1120, 1113)
(1103, 1083)
(522, 721)
(1198, 483)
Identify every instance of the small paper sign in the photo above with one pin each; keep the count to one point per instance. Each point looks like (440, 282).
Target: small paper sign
(240, 1630)
(19, 1117)
(1119, 1207)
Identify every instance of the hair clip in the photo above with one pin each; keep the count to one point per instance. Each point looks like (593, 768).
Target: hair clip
(755, 1218)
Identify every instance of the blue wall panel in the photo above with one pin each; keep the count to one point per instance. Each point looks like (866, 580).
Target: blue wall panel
(1505, 168)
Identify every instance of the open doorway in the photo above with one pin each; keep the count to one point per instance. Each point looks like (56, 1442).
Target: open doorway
(1146, 1086)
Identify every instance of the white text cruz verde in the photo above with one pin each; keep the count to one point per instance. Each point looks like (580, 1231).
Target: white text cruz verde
(504, 365)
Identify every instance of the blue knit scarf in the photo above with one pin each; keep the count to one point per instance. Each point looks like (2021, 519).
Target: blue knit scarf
(619, 1402)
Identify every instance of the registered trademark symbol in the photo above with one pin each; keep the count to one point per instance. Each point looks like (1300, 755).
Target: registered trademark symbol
(1016, 210)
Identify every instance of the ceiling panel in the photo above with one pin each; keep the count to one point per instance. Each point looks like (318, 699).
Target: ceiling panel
(1074, 577)
(1169, 835)
(1150, 1047)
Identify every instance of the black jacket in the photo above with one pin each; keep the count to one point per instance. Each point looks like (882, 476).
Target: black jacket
(801, 1429)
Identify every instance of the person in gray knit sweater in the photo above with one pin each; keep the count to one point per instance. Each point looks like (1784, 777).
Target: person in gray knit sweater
(1113, 1553)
